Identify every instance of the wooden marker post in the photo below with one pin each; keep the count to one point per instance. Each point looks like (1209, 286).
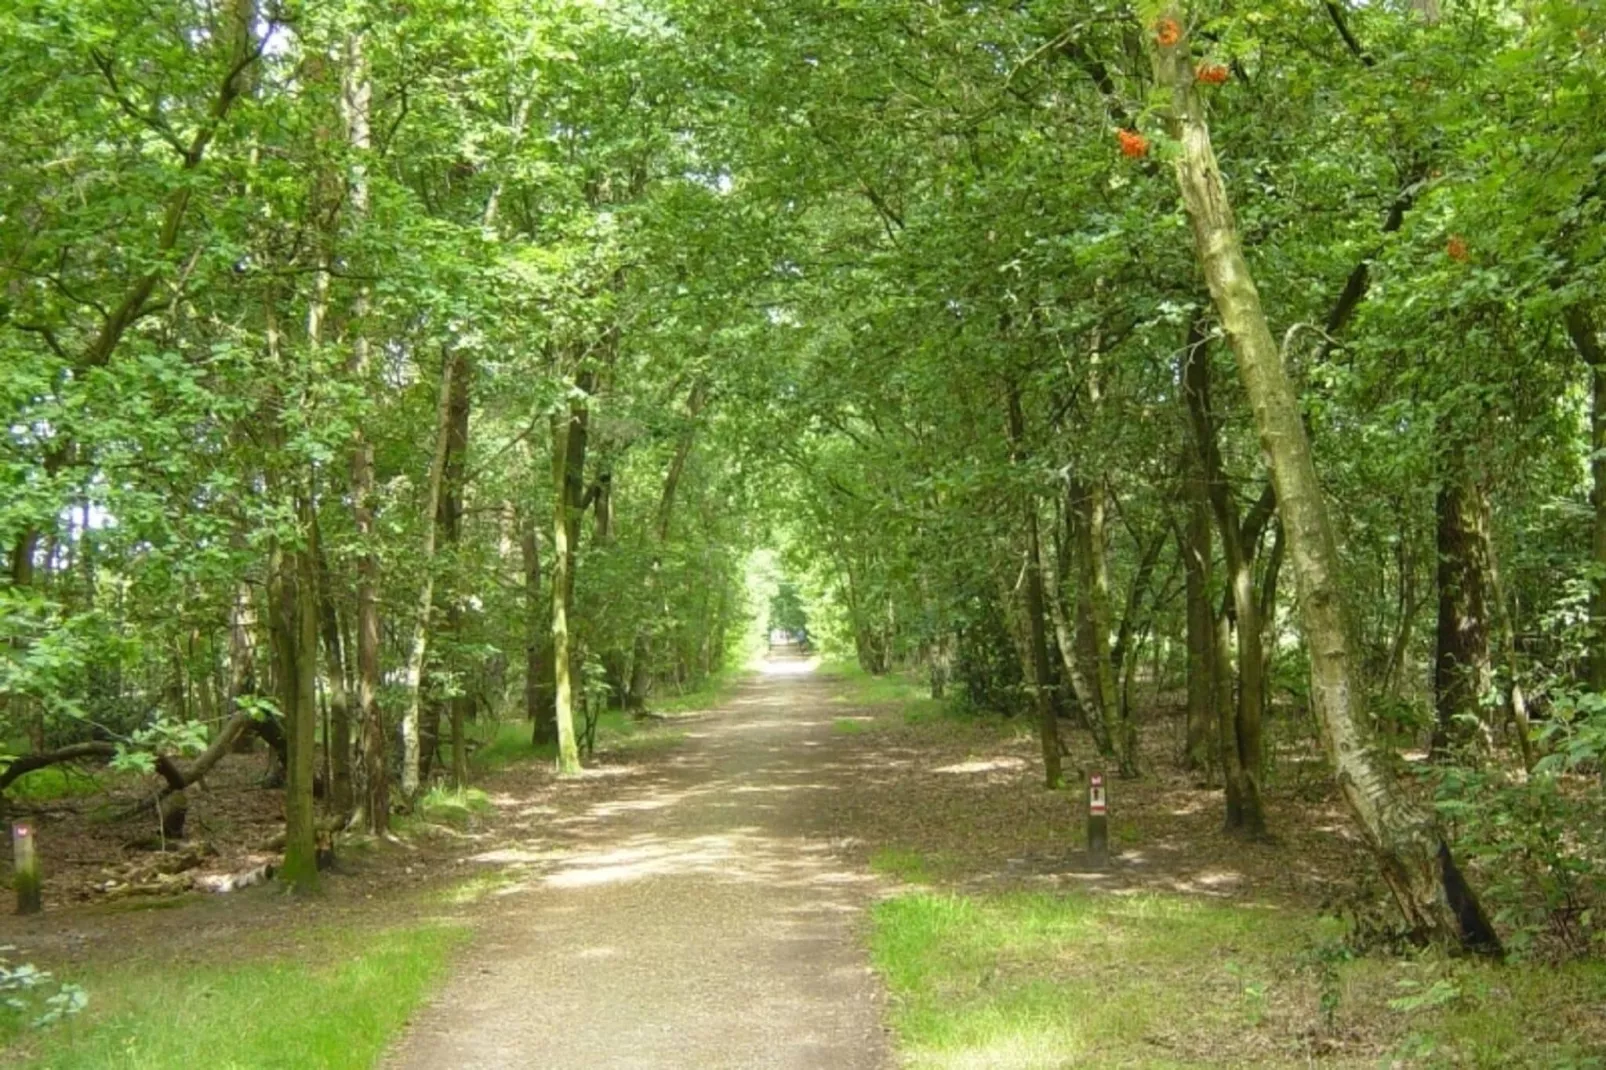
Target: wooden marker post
(25, 868)
(1098, 821)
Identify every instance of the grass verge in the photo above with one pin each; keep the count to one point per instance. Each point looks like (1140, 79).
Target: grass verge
(712, 692)
(1156, 981)
(334, 1004)
(902, 698)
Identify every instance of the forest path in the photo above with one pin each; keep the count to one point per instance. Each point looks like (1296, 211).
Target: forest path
(691, 913)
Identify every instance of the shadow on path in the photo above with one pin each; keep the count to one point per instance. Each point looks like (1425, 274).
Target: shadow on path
(688, 912)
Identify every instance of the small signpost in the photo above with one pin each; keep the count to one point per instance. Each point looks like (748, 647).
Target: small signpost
(1098, 821)
(25, 868)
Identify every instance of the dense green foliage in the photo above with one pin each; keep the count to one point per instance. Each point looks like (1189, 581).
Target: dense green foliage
(431, 361)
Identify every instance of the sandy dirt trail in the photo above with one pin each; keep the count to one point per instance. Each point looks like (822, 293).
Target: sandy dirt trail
(690, 913)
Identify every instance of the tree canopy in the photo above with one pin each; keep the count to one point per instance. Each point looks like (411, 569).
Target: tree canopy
(424, 362)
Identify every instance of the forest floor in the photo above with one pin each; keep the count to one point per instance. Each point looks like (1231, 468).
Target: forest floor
(1002, 947)
(819, 870)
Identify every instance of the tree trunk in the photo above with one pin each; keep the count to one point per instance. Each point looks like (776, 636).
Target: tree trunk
(450, 519)
(1586, 340)
(1232, 770)
(569, 434)
(1087, 501)
(1196, 560)
(1516, 704)
(338, 742)
(1249, 817)
(1071, 659)
(294, 634)
(411, 758)
(1430, 890)
(1129, 634)
(1043, 691)
(373, 810)
(1462, 670)
(538, 681)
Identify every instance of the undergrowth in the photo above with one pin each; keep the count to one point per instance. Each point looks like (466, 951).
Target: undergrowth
(1027, 980)
(453, 806)
(60, 782)
(1157, 979)
(510, 742)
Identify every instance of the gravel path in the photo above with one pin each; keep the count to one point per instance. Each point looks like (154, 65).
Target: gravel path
(690, 914)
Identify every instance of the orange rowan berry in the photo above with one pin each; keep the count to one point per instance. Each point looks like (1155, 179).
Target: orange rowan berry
(1211, 73)
(1133, 144)
(1456, 249)
(1167, 32)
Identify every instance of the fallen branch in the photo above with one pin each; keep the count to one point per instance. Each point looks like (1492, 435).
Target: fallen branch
(28, 763)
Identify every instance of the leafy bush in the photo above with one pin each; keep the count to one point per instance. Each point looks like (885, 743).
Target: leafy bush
(1534, 845)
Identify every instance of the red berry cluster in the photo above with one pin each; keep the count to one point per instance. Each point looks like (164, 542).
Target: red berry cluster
(1211, 73)
(1167, 32)
(1456, 249)
(1133, 144)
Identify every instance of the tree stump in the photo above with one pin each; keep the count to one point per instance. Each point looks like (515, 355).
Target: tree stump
(172, 809)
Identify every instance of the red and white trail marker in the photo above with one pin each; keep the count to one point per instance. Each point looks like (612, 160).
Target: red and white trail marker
(1098, 820)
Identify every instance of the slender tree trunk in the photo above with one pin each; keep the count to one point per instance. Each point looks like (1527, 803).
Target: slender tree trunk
(1071, 654)
(294, 633)
(568, 467)
(1043, 691)
(539, 706)
(1094, 610)
(373, 810)
(1249, 817)
(1462, 671)
(1129, 634)
(449, 517)
(1516, 704)
(337, 733)
(1196, 560)
(1232, 770)
(1408, 602)
(1415, 859)
(338, 742)
(411, 758)
(562, 566)
(1585, 337)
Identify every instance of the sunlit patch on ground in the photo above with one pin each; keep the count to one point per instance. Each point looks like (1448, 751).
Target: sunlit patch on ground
(786, 665)
(984, 765)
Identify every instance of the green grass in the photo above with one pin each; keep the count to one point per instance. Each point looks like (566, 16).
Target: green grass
(851, 726)
(453, 806)
(713, 691)
(904, 698)
(901, 863)
(1157, 981)
(868, 689)
(335, 1003)
(509, 742)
